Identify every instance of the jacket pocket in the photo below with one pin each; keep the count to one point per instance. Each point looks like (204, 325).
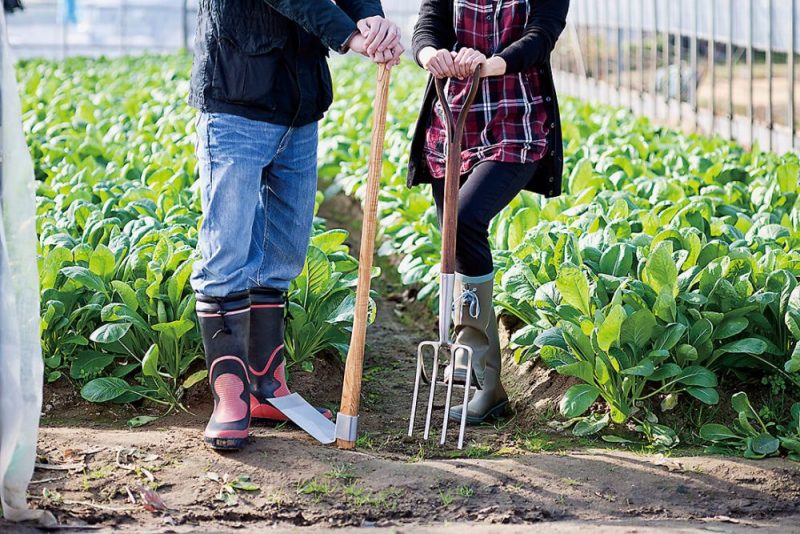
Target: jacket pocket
(246, 77)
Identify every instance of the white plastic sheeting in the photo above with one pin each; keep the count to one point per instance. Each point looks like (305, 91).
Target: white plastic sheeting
(20, 350)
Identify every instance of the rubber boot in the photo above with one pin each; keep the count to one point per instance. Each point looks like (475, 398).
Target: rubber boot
(225, 326)
(267, 363)
(476, 326)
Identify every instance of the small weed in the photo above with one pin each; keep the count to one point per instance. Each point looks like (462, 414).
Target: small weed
(364, 441)
(365, 497)
(475, 451)
(313, 487)
(341, 472)
(570, 482)
(446, 498)
(466, 491)
(51, 497)
(101, 472)
(419, 457)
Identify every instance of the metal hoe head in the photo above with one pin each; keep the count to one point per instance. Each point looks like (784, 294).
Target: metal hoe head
(447, 350)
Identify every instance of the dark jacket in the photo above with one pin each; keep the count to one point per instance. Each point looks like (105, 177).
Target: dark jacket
(548, 18)
(267, 59)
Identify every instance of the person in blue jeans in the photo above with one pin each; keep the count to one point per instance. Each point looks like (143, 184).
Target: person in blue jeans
(261, 82)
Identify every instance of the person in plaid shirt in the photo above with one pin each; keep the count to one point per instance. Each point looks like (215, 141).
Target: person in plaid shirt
(512, 142)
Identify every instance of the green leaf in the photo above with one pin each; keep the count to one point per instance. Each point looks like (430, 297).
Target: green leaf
(175, 329)
(666, 371)
(195, 378)
(637, 329)
(110, 332)
(142, 420)
(577, 400)
(104, 389)
(731, 327)
(765, 444)
(88, 363)
(700, 332)
(742, 405)
(671, 336)
(645, 368)
(617, 260)
(660, 271)
(102, 261)
(126, 293)
(591, 424)
(697, 376)
(609, 331)
(574, 288)
(150, 361)
(717, 432)
(665, 307)
(582, 370)
(84, 277)
(704, 395)
(750, 345)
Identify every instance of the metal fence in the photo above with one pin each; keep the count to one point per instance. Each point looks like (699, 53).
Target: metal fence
(60, 28)
(725, 67)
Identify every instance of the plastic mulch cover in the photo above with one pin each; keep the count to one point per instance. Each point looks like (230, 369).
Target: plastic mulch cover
(20, 351)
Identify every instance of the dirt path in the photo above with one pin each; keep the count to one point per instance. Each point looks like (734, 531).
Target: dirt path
(508, 477)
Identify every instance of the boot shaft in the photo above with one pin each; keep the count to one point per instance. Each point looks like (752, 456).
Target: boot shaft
(266, 346)
(224, 325)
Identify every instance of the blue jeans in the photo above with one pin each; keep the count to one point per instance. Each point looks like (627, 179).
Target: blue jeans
(258, 183)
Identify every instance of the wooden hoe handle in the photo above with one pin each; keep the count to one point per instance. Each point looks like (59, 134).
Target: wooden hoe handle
(351, 389)
(455, 133)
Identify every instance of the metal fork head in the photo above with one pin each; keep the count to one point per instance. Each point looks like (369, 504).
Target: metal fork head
(440, 354)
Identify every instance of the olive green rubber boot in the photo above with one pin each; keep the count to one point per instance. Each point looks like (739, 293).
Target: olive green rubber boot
(476, 326)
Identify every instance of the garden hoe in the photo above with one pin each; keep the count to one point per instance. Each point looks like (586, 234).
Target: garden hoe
(347, 418)
(444, 346)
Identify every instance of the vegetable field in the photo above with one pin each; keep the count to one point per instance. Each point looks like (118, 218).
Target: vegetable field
(662, 288)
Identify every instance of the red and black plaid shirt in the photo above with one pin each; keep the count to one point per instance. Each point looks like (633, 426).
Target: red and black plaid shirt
(509, 120)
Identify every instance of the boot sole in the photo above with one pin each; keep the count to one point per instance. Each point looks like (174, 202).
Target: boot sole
(498, 411)
(226, 444)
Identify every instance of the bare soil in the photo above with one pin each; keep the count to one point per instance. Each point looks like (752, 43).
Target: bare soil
(94, 472)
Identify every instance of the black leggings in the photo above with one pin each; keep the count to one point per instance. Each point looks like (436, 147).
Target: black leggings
(485, 191)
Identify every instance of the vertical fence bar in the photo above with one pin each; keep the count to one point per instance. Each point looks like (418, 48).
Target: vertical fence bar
(607, 54)
(729, 55)
(791, 61)
(595, 58)
(654, 58)
(629, 53)
(751, 108)
(618, 50)
(184, 25)
(712, 65)
(695, 75)
(641, 58)
(679, 55)
(770, 73)
(667, 60)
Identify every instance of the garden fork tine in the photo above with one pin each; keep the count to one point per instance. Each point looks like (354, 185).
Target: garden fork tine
(455, 132)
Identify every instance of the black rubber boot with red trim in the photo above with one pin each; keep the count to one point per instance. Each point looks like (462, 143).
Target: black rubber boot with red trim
(225, 326)
(267, 362)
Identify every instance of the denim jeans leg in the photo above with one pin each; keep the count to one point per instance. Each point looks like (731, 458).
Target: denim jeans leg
(291, 186)
(232, 154)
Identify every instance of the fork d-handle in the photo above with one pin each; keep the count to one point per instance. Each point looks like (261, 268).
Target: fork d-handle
(354, 368)
(455, 133)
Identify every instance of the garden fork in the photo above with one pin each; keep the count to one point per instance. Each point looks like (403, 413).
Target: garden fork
(455, 133)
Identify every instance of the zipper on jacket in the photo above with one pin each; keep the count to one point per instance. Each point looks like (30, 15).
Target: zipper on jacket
(296, 77)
